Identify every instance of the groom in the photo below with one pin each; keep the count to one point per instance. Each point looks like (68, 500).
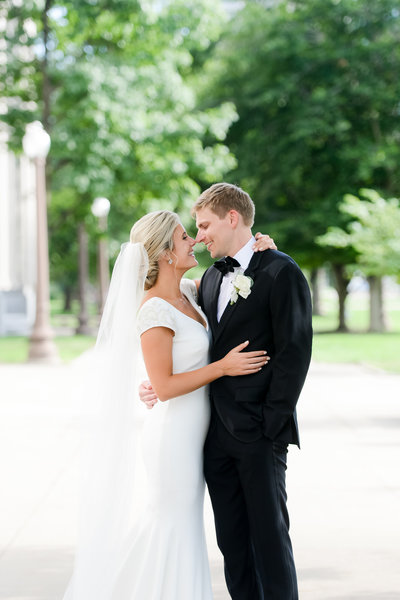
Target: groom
(253, 417)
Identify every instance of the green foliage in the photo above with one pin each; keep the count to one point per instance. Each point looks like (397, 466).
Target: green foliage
(316, 88)
(373, 233)
(112, 82)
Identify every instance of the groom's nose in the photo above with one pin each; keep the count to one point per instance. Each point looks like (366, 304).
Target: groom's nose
(199, 237)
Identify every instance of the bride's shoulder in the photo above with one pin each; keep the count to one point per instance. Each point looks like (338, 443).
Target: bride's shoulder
(153, 303)
(189, 288)
(155, 312)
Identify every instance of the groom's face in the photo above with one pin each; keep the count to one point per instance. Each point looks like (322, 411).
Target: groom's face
(214, 232)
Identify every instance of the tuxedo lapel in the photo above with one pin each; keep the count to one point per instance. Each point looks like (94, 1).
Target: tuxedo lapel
(253, 264)
(210, 298)
(225, 318)
(214, 301)
(230, 308)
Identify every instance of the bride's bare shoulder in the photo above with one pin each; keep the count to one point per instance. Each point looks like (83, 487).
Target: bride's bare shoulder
(148, 296)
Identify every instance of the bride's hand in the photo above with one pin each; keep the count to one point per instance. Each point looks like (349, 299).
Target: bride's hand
(237, 362)
(264, 242)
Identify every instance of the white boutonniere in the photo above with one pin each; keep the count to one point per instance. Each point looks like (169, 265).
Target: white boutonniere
(241, 287)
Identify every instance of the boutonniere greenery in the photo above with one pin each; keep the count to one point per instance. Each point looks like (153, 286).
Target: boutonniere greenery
(241, 287)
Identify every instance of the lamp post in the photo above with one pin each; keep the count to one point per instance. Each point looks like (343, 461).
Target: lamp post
(83, 326)
(100, 209)
(36, 145)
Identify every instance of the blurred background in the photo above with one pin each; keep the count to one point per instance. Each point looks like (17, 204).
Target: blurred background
(148, 103)
(110, 109)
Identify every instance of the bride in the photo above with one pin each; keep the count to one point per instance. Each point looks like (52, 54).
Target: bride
(158, 552)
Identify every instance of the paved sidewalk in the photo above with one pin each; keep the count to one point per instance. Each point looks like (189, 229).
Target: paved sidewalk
(344, 485)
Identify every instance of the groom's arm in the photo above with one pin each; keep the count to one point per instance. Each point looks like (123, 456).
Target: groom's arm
(147, 394)
(290, 307)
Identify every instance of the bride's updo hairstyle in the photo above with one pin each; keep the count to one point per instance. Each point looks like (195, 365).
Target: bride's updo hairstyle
(155, 231)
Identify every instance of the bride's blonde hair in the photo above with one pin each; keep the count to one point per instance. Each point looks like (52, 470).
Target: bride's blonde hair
(155, 231)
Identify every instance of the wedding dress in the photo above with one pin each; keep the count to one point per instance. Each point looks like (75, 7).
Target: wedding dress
(141, 535)
(166, 557)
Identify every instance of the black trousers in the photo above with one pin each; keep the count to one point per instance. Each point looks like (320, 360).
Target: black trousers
(247, 487)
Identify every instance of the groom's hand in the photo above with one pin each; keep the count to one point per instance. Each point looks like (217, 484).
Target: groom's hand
(147, 395)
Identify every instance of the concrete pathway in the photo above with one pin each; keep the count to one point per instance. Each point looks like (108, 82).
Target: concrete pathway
(344, 485)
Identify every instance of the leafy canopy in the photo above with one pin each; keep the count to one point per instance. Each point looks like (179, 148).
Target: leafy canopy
(316, 88)
(373, 232)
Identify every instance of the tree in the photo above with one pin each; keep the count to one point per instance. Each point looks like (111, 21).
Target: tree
(112, 82)
(316, 89)
(374, 235)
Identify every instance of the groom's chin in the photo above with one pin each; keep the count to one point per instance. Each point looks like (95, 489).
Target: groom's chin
(213, 253)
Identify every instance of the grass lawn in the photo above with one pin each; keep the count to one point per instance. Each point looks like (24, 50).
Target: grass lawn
(380, 350)
(377, 350)
(15, 349)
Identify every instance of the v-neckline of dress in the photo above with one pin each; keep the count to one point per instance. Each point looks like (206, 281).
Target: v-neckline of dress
(204, 326)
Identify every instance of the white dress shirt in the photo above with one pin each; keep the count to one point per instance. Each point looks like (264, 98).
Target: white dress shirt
(243, 257)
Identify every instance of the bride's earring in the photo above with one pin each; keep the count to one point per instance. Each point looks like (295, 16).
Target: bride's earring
(170, 261)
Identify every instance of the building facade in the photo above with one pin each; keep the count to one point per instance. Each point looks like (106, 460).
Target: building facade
(17, 241)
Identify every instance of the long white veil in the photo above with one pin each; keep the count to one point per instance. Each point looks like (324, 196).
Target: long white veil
(107, 494)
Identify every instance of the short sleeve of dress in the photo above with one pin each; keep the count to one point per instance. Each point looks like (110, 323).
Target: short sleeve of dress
(155, 313)
(189, 288)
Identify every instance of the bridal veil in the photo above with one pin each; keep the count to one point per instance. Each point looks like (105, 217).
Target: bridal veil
(111, 379)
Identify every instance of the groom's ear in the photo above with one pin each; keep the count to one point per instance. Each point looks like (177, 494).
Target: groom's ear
(234, 218)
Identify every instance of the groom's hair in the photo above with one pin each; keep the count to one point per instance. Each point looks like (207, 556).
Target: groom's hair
(223, 197)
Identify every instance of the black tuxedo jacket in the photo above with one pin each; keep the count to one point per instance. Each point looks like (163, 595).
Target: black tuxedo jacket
(276, 317)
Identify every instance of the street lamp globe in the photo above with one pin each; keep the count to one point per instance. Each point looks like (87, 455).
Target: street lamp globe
(36, 141)
(101, 207)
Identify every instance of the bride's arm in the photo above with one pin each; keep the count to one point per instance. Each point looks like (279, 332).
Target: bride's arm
(157, 354)
(264, 242)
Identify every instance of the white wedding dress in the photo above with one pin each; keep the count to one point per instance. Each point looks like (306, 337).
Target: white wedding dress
(166, 554)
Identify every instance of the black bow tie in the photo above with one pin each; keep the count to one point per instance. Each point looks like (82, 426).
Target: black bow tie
(226, 265)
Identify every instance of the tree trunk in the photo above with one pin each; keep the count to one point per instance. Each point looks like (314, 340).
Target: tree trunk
(83, 269)
(67, 298)
(341, 282)
(315, 289)
(46, 86)
(376, 311)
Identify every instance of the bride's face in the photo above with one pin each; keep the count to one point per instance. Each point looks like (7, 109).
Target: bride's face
(182, 252)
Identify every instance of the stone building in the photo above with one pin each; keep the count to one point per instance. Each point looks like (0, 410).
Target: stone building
(17, 242)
